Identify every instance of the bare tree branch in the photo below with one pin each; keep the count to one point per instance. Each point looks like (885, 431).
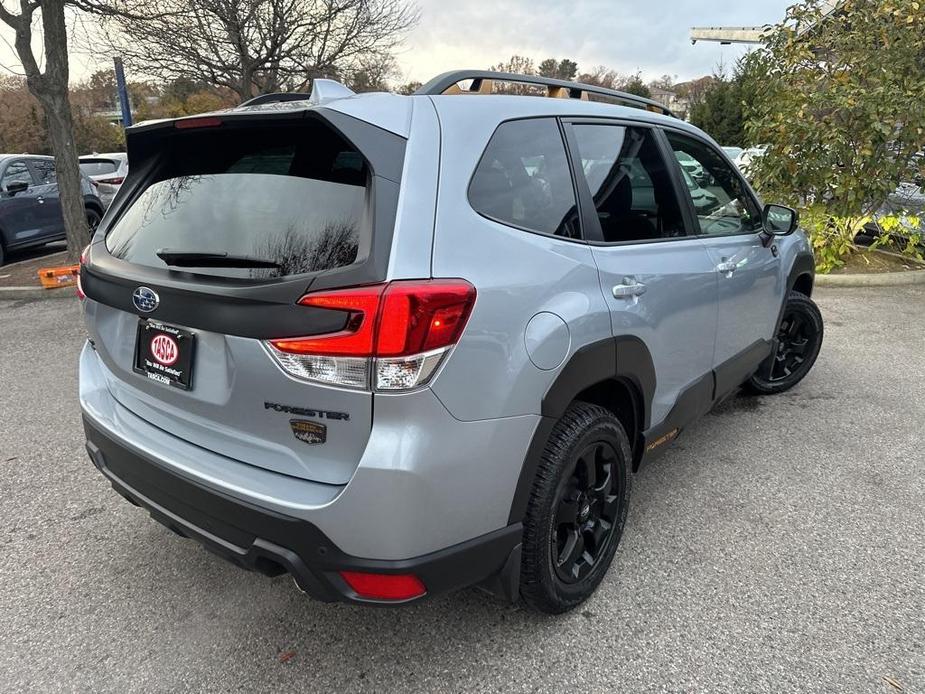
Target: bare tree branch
(256, 46)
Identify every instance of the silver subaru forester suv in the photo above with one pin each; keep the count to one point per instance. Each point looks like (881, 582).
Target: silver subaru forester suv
(397, 345)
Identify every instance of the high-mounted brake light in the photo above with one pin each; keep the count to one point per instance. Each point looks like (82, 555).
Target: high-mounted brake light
(384, 586)
(84, 255)
(204, 122)
(394, 337)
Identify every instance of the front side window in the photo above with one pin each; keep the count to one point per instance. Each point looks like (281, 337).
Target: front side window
(722, 204)
(16, 172)
(277, 201)
(523, 179)
(630, 183)
(44, 171)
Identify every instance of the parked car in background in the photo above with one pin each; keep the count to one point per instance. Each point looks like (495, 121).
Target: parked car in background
(704, 201)
(691, 166)
(30, 210)
(733, 152)
(747, 156)
(107, 171)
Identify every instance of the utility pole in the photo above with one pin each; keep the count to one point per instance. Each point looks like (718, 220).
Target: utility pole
(123, 93)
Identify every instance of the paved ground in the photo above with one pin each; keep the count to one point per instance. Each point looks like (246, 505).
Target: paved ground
(779, 546)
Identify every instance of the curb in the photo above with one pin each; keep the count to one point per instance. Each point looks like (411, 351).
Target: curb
(875, 279)
(17, 293)
(881, 279)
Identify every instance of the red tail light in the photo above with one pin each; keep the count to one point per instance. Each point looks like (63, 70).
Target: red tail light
(405, 326)
(84, 255)
(113, 181)
(384, 586)
(357, 339)
(202, 122)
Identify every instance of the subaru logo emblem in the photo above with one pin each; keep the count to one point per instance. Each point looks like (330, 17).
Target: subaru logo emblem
(145, 300)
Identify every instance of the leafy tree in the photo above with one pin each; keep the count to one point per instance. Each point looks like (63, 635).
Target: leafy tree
(564, 69)
(22, 123)
(635, 85)
(838, 98)
(718, 107)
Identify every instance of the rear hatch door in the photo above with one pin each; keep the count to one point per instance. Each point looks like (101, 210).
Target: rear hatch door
(222, 225)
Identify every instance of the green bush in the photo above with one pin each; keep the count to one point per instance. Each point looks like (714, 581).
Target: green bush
(839, 98)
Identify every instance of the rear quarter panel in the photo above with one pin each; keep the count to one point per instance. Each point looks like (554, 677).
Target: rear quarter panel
(517, 275)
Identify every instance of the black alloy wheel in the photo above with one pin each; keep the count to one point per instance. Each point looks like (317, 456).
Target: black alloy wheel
(799, 338)
(795, 340)
(577, 509)
(93, 220)
(586, 513)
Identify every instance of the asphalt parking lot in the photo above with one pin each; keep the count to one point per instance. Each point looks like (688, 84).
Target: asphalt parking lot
(778, 546)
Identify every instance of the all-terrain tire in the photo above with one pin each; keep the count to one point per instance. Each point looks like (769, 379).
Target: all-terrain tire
(799, 341)
(546, 583)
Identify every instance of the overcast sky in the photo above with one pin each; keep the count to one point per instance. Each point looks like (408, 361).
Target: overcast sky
(625, 35)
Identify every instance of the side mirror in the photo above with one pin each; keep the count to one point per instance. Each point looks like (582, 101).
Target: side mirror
(14, 187)
(779, 220)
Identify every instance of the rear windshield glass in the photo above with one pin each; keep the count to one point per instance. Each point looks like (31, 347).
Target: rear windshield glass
(99, 166)
(292, 199)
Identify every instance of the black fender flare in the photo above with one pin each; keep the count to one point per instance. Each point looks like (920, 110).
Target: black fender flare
(804, 265)
(623, 358)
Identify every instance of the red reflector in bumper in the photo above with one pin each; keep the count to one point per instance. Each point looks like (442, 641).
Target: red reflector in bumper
(384, 586)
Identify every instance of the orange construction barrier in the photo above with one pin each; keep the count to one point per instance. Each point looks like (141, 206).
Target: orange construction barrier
(52, 277)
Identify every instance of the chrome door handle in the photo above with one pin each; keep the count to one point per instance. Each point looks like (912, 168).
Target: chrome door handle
(628, 289)
(727, 267)
(41, 200)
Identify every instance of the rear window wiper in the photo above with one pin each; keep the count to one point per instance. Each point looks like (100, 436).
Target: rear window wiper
(209, 259)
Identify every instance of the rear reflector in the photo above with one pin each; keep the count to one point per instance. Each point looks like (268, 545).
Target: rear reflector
(394, 338)
(384, 586)
(204, 122)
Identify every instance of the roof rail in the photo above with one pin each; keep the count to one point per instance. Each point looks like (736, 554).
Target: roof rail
(482, 82)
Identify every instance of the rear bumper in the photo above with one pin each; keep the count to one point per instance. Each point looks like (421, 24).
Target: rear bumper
(259, 539)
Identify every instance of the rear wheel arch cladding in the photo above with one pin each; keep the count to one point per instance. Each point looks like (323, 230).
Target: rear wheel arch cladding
(625, 358)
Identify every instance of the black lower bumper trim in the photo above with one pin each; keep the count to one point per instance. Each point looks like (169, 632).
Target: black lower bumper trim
(259, 539)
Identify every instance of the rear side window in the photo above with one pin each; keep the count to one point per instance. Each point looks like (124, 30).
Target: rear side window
(97, 167)
(292, 198)
(523, 179)
(630, 183)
